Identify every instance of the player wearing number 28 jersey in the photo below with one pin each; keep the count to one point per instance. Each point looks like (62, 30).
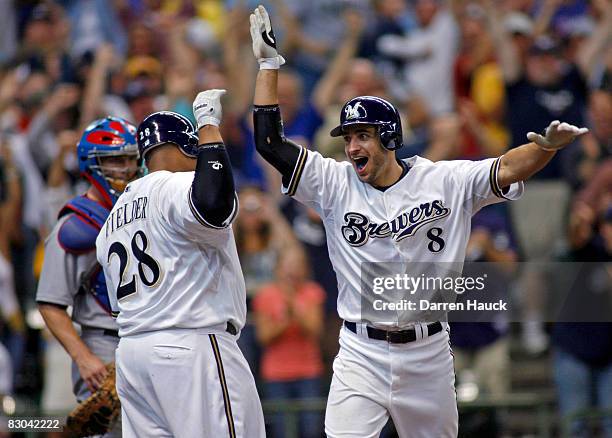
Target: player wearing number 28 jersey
(175, 284)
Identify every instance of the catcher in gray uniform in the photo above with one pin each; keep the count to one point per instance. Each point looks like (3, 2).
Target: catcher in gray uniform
(71, 277)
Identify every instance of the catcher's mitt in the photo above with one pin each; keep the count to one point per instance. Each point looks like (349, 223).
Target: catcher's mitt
(97, 414)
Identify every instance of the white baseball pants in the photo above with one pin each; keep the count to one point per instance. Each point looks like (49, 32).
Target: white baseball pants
(186, 383)
(412, 382)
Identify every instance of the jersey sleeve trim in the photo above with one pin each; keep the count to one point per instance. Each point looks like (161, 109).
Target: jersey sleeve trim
(497, 191)
(202, 221)
(297, 172)
(512, 192)
(47, 301)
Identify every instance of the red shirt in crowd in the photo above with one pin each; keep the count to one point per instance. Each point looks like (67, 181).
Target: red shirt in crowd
(293, 355)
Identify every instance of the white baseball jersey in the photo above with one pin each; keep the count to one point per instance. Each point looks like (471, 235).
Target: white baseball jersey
(166, 267)
(424, 217)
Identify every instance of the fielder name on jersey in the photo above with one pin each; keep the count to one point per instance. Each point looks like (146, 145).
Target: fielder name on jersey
(126, 214)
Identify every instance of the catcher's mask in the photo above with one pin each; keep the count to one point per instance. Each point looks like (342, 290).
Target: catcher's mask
(102, 140)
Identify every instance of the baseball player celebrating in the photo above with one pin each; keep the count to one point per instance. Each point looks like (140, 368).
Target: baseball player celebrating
(174, 278)
(377, 208)
(108, 159)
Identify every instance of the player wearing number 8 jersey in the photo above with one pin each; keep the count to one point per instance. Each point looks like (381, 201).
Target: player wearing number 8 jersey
(379, 209)
(175, 284)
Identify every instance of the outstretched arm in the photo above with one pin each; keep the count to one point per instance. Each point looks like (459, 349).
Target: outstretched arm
(212, 193)
(270, 139)
(523, 162)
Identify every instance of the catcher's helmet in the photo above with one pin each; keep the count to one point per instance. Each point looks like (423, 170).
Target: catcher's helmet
(167, 127)
(371, 110)
(111, 136)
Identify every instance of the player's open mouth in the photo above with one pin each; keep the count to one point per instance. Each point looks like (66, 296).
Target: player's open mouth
(360, 163)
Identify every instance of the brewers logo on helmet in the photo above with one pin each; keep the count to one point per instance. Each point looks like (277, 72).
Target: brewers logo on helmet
(167, 127)
(371, 110)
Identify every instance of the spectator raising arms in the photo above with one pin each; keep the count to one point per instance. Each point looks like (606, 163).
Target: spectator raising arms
(545, 86)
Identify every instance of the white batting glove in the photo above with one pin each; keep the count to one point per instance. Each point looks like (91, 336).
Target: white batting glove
(207, 107)
(556, 136)
(264, 41)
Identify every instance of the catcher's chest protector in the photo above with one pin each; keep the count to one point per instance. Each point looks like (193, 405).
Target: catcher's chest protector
(78, 234)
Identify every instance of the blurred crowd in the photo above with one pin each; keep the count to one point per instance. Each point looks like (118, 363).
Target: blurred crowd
(470, 77)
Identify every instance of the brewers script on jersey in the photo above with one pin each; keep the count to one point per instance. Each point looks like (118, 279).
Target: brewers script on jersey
(424, 217)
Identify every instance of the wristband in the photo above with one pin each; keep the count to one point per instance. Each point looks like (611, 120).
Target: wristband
(213, 145)
(274, 108)
(273, 63)
(208, 120)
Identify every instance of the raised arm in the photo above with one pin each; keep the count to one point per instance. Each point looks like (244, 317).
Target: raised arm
(545, 16)
(521, 163)
(180, 81)
(591, 50)
(234, 62)
(270, 139)
(507, 54)
(212, 193)
(10, 223)
(95, 87)
(325, 89)
(64, 96)
(295, 39)
(407, 48)
(67, 141)
(9, 87)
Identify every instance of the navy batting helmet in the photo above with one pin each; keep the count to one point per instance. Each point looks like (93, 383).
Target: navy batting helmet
(167, 127)
(371, 110)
